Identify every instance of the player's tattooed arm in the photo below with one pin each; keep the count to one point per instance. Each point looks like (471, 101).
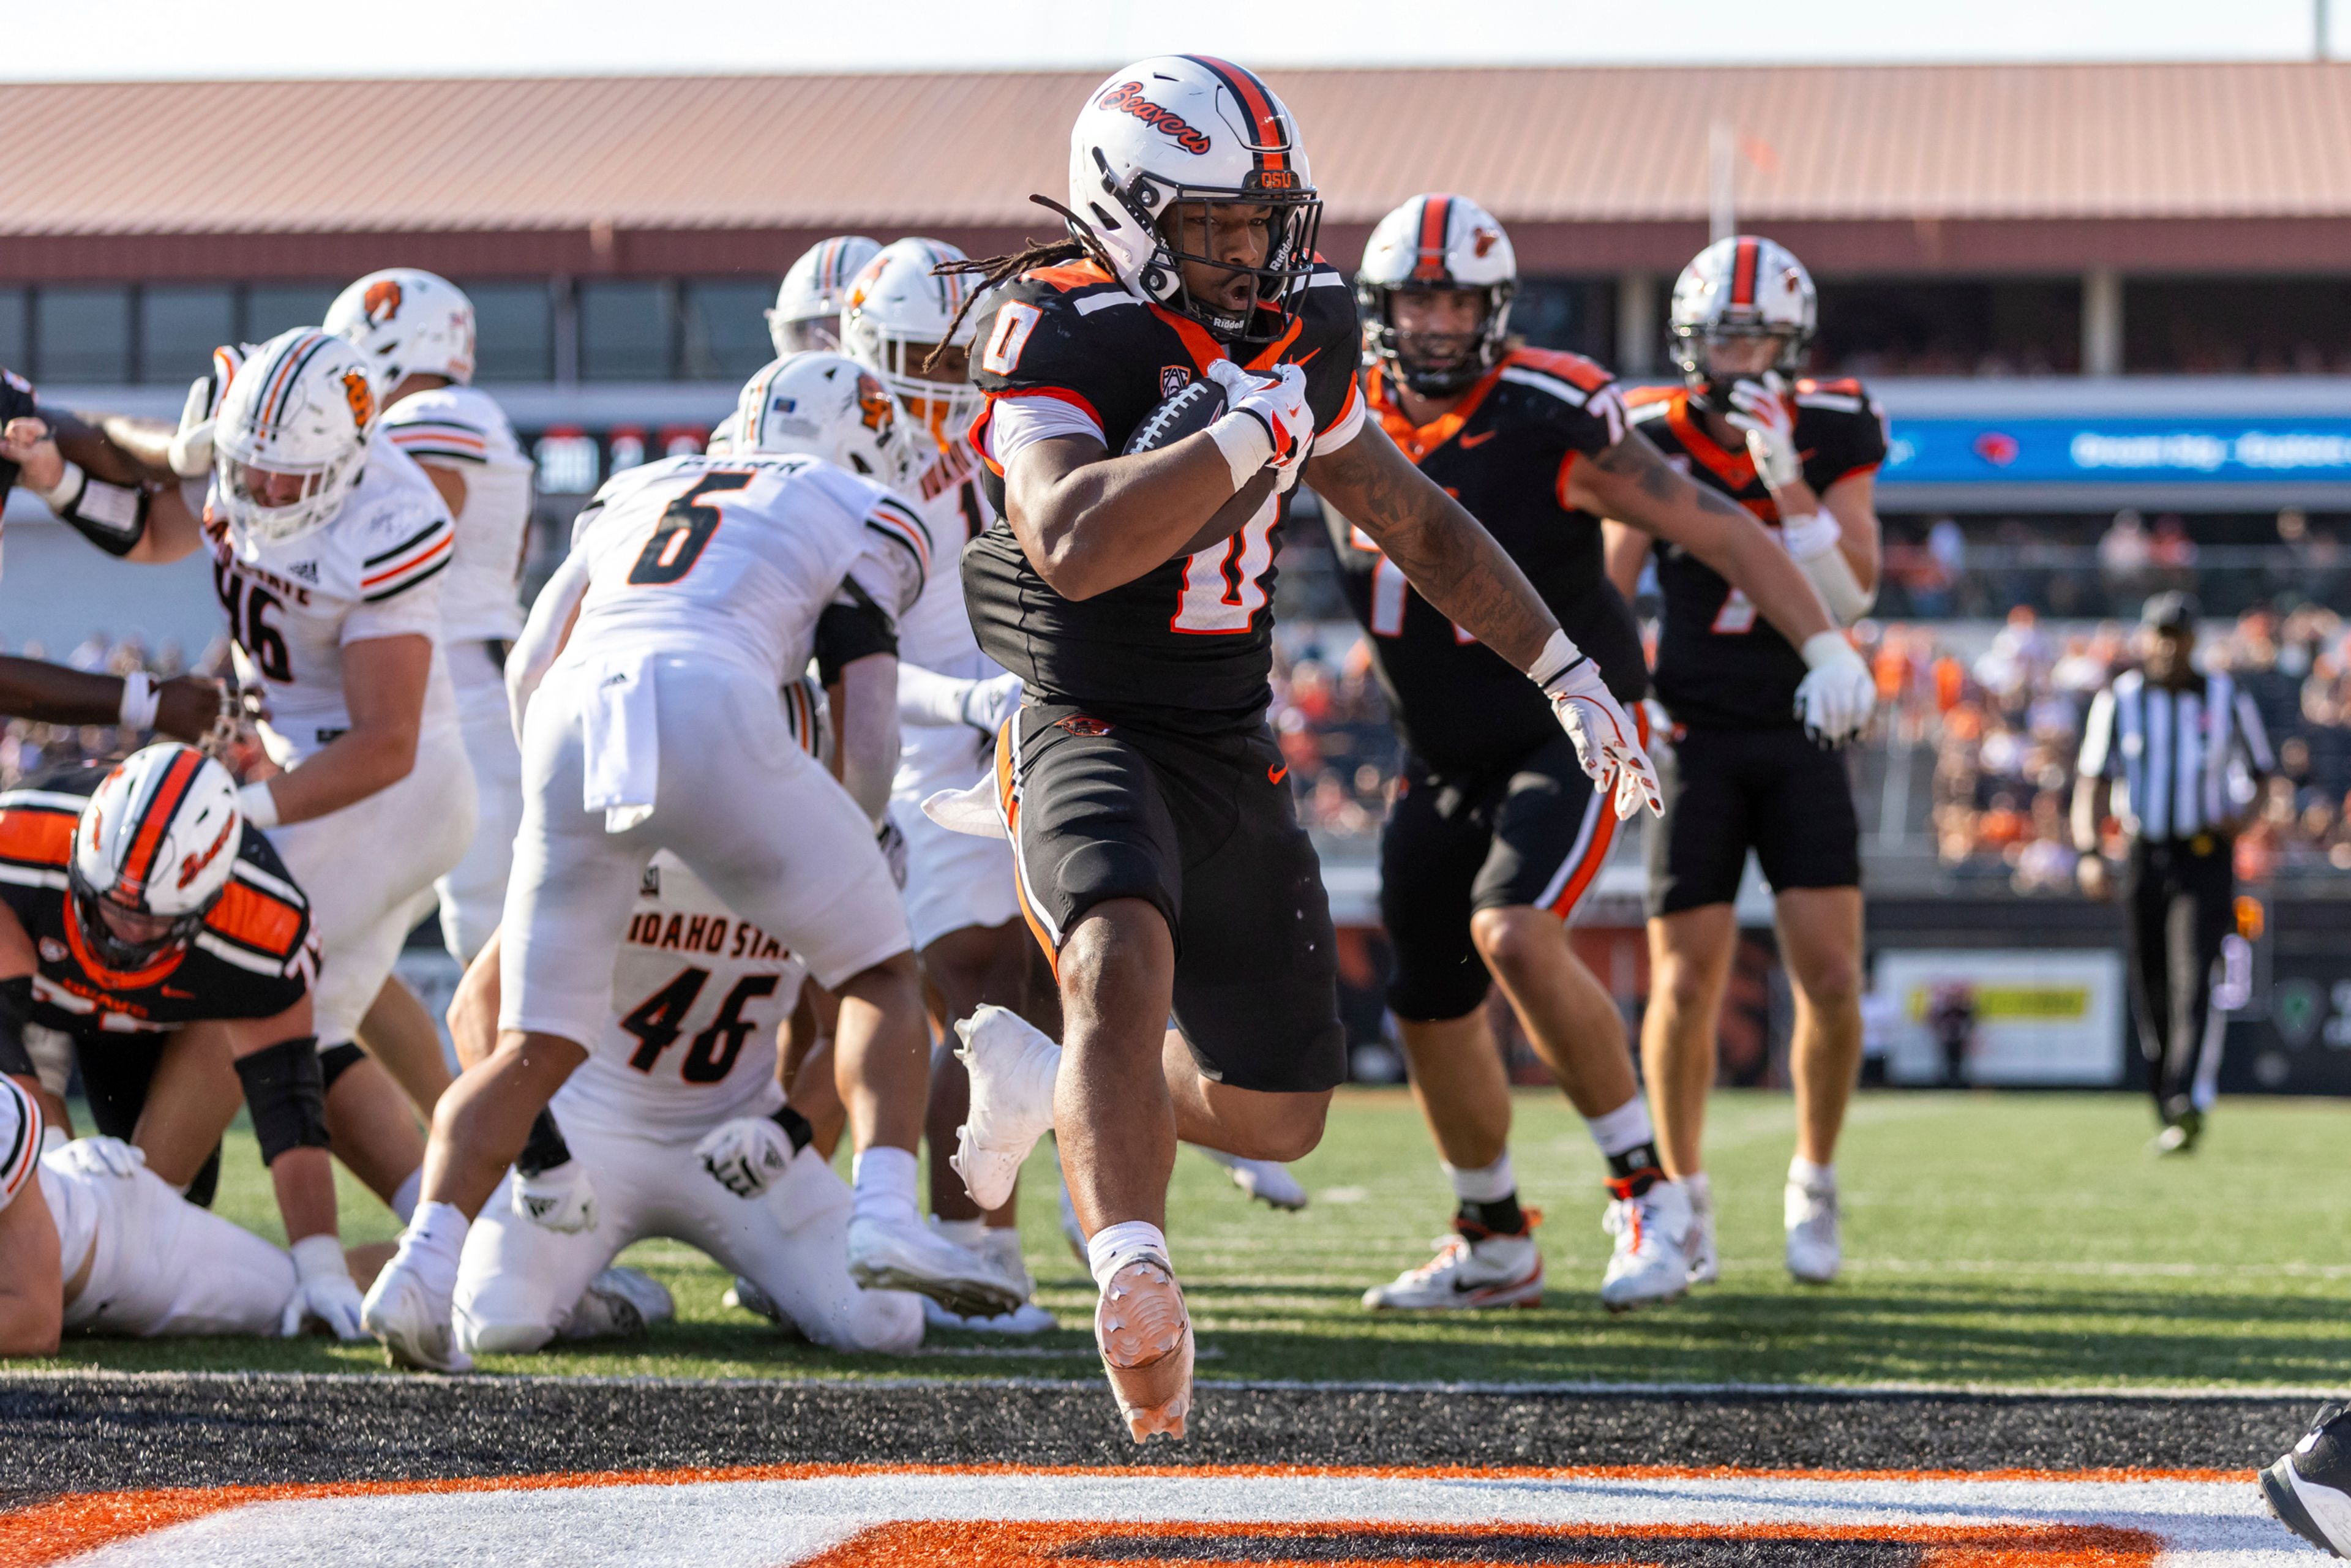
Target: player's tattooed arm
(1442, 551)
(1632, 482)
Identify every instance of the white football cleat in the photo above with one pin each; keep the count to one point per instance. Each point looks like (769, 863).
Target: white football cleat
(1467, 1275)
(1145, 1339)
(1650, 1263)
(1815, 1251)
(745, 1296)
(1267, 1181)
(619, 1304)
(910, 1256)
(413, 1319)
(1001, 1247)
(1012, 1064)
(1705, 1262)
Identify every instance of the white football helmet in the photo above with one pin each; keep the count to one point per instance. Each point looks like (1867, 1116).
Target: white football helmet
(808, 305)
(1743, 287)
(898, 309)
(292, 435)
(408, 322)
(827, 406)
(152, 853)
(1186, 128)
(1438, 242)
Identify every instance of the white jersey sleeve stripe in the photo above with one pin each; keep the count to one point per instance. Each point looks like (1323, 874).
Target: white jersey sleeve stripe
(20, 1139)
(895, 523)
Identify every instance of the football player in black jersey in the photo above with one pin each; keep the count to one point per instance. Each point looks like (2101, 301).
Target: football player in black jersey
(1751, 766)
(137, 899)
(1157, 846)
(1495, 832)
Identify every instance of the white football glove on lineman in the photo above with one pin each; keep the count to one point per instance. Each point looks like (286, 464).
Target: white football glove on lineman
(97, 1156)
(747, 1154)
(1761, 410)
(323, 1291)
(991, 702)
(1278, 409)
(1607, 742)
(560, 1198)
(1838, 699)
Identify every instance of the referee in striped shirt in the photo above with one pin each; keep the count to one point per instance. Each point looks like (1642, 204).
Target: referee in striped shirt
(2182, 756)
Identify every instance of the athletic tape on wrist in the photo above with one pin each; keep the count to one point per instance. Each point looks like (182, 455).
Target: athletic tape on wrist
(111, 517)
(1245, 441)
(1559, 656)
(139, 701)
(259, 804)
(319, 1256)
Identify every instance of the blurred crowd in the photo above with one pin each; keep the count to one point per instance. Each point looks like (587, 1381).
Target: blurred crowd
(2004, 727)
(29, 748)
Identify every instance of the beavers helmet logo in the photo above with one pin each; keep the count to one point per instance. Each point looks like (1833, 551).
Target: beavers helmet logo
(874, 402)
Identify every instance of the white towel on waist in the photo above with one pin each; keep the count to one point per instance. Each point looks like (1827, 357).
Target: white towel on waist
(623, 736)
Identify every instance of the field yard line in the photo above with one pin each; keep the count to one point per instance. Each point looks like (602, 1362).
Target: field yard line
(1826, 1391)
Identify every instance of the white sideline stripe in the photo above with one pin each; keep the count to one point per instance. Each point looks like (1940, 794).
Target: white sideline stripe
(1822, 1391)
(722, 1524)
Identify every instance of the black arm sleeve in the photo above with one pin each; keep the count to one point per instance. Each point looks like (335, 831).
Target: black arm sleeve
(286, 1091)
(848, 632)
(111, 517)
(16, 1008)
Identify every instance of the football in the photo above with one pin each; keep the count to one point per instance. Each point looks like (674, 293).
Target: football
(1188, 413)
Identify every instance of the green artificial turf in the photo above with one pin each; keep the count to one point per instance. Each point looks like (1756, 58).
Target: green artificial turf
(2015, 1240)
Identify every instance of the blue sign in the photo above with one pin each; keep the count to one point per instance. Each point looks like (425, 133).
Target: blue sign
(2118, 451)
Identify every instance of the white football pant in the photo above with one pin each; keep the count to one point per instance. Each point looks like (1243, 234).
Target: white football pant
(474, 894)
(519, 1282)
(953, 880)
(749, 812)
(162, 1266)
(366, 868)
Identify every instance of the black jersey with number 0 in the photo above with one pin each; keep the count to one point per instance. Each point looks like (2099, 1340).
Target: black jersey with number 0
(1186, 646)
(253, 957)
(1504, 452)
(1718, 661)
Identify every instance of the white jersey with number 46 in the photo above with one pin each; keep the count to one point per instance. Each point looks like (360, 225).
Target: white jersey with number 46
(733, 559)
(697, 996)
(295, 604)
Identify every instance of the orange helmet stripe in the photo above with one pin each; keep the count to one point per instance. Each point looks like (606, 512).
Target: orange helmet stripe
(156, 820)
(1435, 217)
(1273, 138)
(1742, 273)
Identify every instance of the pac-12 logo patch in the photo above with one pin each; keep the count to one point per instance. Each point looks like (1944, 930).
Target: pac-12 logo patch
(1173, 379)
(52, 950)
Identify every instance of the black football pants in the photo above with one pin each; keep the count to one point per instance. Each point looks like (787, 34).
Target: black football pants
(2180, 894)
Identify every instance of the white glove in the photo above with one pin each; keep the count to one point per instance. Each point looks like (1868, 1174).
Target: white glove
(745, 1155)
(891, 841)
(990, 703)
(1838, 699)
(1761, 409)
(559, 1199)
(1277, 406)
(1607, 743)
(323, 1291)
(97, 1156)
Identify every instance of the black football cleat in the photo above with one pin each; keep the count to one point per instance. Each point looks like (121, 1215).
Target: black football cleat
(2310, 1488)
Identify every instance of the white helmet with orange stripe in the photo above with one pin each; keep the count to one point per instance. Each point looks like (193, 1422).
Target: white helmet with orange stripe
(1187, 129)
(409, 322)
(153, 853)
(1745, 286)
(1436, 243)
(292, 435)
(808, 305)
(898, 309)
(827, 406)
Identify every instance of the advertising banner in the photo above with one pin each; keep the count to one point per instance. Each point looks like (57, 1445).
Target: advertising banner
(1991, 1016)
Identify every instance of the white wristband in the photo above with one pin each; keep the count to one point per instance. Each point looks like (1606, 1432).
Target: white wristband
(1246, 444)
(1559, 652)
(1810, 534)
(68, 490)
(1827, 648)
(258, 804)
(319, 1256)
(139, 701)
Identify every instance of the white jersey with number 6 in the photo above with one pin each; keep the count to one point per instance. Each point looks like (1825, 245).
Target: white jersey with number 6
(697, 996)
(733, 559)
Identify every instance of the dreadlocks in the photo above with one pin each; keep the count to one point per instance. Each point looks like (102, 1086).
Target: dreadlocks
(992, 270)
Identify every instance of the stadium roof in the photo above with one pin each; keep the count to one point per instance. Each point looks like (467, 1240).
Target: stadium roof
(2230, 166)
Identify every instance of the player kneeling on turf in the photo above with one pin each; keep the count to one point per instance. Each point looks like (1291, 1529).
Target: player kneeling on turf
(697, 588)
(674, 1127)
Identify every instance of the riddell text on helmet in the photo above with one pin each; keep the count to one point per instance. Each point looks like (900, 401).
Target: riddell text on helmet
(1127, 98)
